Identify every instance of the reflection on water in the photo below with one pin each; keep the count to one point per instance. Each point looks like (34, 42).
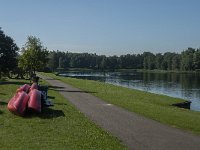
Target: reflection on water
(181, 85)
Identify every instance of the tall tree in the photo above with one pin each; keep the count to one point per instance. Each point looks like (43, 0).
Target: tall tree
(167, 60)
(103, 63)
(34, 56)
(149, 60)
(196, 59)
(53, 64)
(8, 53)
(176, 62)
(158, 61)
(187, 59)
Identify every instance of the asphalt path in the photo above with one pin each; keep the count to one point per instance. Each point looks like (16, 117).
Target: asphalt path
(135, 131)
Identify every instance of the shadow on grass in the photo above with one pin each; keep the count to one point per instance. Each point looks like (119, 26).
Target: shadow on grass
(1, 112)
(53, 79)
(3, 103)
(51, 97)
(16, 83)
(47, 113)
(60, 104)
(71, 91)
(56, 87)
(3, 94)
(185, 105)
(59, 89)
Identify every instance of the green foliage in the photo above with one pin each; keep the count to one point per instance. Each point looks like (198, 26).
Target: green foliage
(130, 61)
(8, 53)
(186, 61)
(154, 106)
(149, 60)
(158, 61)
(59, 127)
(196, 59)
(175, 64)
(34, 56)
(93, 61)
(103, 64)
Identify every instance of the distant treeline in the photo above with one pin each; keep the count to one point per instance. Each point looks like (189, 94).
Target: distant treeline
(188, 60)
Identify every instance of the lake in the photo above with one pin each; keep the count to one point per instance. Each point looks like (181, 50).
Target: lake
(180, 85)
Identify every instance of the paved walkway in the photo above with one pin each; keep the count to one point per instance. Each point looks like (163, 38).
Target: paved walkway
(137, 132)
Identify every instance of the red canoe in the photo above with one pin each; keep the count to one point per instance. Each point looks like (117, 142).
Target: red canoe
(18, 103)
(34, 100)
(24, 88)
(34, 86)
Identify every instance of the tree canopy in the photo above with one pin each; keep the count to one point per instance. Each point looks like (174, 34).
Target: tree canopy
(34, 56)
(8, 53)
(188, 60)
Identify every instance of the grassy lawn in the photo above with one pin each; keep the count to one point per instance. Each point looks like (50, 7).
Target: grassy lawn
(58, 127)
(154, 106)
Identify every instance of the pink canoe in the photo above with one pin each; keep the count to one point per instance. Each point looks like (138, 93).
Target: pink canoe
(34, 86)
(18, 103)
(34, 100)
(24, 88)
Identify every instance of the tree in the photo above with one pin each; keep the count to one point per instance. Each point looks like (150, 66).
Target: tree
(196, 59)
(158, 61)
(52, 64)
(149, 60)
(103, 63)
(112, 62)
(129, 61)
(34, 56)
(187, 59)
(176, 62)
(139, 61)
(8, 53)
(167, 60)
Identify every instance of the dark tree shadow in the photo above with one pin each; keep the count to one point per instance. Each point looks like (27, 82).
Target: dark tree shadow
(16, 83)
(51, 97)
(60, 104)
(71, 91)
(185, 105)
(52, 79)
(3, 103)
(59, 89)
(47, 113)
(1, 112)
(3, 94)
(56, 87)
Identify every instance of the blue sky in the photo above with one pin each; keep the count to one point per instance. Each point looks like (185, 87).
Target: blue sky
(110, 27)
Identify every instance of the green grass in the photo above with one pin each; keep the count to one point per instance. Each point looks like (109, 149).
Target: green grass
(59, 127)
(154, 106)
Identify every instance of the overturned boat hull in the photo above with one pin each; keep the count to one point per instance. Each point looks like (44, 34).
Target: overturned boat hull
(35, 100)
(18, 103)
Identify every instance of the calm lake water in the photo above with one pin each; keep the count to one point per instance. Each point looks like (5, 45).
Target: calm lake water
(181, 85)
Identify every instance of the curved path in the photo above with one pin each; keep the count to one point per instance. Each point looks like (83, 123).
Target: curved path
(135, 131)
